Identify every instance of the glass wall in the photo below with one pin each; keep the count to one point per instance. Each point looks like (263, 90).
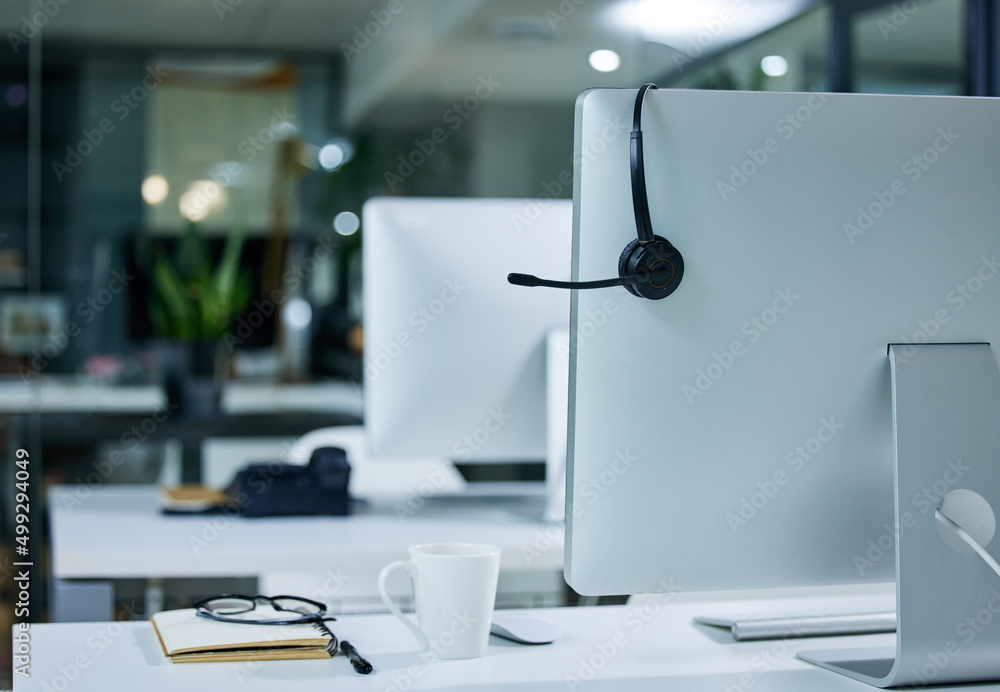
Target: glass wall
(910, 48)
(792, 57)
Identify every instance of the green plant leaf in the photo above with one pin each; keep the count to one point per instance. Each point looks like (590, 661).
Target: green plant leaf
(178, 306)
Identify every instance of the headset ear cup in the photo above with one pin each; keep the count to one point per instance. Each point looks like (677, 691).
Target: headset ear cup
(624, 260)
(643, 258)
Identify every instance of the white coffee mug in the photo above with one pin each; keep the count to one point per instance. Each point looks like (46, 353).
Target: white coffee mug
(454, 588)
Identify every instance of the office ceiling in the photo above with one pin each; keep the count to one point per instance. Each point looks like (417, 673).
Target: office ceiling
(400, 52)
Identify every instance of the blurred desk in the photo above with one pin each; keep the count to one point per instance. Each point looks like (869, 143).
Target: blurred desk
(73, 412)
(119, 532)
(250, 397)
(51, 394)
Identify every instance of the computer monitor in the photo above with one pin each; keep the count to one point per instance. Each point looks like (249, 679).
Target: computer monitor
(455, 357)
(739, 434)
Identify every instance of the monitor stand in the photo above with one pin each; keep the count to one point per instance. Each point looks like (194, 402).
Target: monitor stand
(946, 439)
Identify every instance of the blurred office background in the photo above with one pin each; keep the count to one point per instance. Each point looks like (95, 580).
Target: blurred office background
(181, 183)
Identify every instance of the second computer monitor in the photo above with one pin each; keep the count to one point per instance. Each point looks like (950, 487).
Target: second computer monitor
(454, 362)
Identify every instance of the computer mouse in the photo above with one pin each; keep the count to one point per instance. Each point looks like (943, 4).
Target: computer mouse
(525, 629)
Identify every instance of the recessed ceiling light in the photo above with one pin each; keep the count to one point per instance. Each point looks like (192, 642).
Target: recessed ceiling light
(335, 154)
(697, 25)
(605, 60)
(346, 223)
(331, 157)
(774, 65)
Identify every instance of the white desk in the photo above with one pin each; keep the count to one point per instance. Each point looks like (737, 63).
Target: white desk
(246, 397)
(52, 394)
(603, 648)
(117, 532)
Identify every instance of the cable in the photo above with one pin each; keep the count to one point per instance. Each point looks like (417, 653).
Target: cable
(973, 543)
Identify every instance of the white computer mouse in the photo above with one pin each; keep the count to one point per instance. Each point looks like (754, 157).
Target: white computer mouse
(525, 629)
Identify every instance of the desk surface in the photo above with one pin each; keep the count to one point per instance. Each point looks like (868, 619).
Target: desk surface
(119, 532)
(650, 646)
(53, 394)
(247, 397)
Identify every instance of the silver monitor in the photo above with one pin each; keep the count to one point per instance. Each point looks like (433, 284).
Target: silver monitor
(747, 431)
(454, 362)
(737, 433)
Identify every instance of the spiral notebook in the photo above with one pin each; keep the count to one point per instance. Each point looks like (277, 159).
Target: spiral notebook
(187, 638)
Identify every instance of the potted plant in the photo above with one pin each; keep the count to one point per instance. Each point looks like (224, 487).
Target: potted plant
(193, 306)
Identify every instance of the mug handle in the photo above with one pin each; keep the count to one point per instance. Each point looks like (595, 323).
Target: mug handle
(393, 608)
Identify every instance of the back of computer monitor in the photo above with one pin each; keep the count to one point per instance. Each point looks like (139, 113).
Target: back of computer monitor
(737, 434)
(455, 357)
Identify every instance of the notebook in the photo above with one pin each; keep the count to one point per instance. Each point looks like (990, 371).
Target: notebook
(187, 637)
(192, 499)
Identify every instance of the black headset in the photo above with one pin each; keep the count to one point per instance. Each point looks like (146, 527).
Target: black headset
(649, 266)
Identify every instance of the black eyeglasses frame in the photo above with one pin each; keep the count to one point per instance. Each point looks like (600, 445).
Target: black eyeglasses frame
(202, 610)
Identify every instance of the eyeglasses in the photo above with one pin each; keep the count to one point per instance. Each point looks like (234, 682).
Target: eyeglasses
(225, 606)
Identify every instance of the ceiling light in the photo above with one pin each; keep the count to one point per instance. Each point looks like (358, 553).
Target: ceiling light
(605, 60)
(331, 157)
(335, 154)
(155, 189)
(346, 223)
(202, 199)
(297, 313)
(774, 65)
(699, 24)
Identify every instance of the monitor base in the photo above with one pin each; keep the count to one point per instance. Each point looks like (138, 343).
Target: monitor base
(946, 406)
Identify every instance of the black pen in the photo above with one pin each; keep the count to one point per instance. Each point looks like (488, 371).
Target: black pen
(360, 664)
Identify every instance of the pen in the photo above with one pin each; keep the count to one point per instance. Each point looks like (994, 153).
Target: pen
(360, 664)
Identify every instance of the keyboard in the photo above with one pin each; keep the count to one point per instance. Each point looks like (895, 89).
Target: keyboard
(754, 627)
